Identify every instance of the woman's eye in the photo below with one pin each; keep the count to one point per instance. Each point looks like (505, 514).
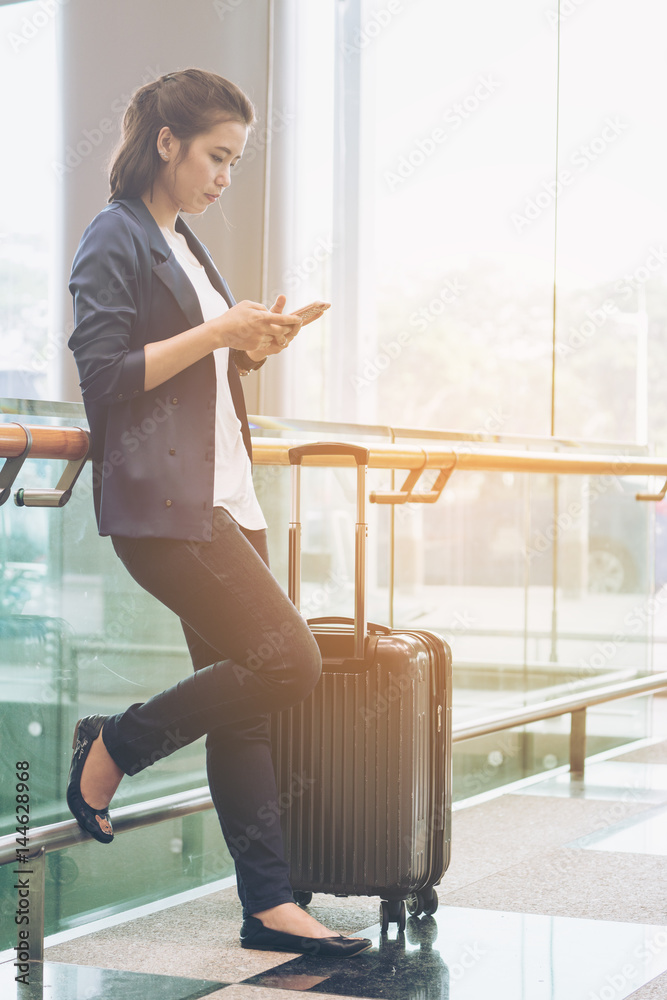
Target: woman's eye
(217, 159)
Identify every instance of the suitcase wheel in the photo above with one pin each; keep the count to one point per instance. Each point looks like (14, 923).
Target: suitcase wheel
(424, 901)
(392, 911)
(302, 898)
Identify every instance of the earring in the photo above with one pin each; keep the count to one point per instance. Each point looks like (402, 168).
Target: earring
(163, 155)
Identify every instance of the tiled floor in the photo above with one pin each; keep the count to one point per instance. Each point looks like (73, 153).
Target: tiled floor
(639, 835)
(56, 981)
(469, 954)
(619, 780)
(556, 891)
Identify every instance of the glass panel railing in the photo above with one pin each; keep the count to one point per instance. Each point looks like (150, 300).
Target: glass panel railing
(542, 586)
(80, 637)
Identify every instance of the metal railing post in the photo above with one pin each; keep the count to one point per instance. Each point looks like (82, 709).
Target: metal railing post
(34, 875)
(578, 743)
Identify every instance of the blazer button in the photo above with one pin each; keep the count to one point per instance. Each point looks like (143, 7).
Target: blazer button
(174, 400)
(119, 396)
(167, 503)
(172, 451)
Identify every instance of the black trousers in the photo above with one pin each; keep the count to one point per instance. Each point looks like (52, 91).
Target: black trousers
(253, 654)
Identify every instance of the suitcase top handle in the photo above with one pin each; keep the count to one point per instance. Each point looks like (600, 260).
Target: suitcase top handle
(373, 627)
(358, 452)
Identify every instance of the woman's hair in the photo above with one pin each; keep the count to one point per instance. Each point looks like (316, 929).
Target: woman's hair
(190, 102)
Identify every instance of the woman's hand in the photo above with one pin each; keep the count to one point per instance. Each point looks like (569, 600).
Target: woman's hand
(247, 326)
(251, 327)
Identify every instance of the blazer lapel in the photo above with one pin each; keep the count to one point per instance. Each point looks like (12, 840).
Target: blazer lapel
(169, 271)
(204, 258)
(174, 277)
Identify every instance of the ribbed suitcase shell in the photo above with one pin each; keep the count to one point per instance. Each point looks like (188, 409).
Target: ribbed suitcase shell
(364, 768)
(364, 764)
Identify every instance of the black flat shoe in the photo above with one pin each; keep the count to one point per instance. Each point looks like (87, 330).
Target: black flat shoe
(255, 935)
(96, 822)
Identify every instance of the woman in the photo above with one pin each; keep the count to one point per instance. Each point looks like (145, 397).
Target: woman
(159, 343)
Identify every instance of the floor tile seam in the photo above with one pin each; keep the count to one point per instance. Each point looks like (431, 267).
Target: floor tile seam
(610, 755)
(604, 806)
(635, 856)
(227, 948)
(546, 853)
(497, 871)
(279, 992)
(514, 798)
(527, 857)
(171, 975)
(572, 848)
(508, 908)
(134, 972)
(606, 802)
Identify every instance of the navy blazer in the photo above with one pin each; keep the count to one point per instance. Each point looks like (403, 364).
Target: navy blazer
(153, 452)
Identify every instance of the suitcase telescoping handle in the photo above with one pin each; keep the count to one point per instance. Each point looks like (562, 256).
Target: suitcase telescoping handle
(360, 455)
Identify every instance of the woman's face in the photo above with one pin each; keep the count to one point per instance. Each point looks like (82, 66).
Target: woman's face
(199, 179)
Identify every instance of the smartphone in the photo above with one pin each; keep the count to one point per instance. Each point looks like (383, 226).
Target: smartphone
(311, 312)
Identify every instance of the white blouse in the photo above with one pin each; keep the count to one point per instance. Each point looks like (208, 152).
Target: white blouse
(233, 487)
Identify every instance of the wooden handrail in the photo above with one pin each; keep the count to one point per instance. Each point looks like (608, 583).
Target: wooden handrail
(274, 451)
(69, 443)
(72, 443)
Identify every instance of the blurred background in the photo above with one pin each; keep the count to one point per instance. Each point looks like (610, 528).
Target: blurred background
(478, 190)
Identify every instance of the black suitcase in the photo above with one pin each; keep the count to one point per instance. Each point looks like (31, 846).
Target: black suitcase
(364, 764)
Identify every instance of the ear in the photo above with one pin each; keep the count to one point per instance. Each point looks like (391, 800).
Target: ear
(167, 144)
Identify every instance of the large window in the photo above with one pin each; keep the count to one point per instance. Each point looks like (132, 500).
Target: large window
(29, 176)
(482, 153)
